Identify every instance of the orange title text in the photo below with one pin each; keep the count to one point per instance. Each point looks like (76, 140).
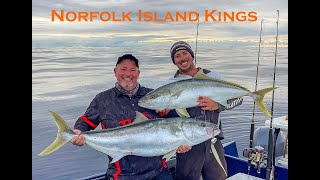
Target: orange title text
(211, 15)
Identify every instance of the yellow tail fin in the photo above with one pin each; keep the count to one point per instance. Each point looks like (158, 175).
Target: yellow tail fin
(258, 98)
(59, 141)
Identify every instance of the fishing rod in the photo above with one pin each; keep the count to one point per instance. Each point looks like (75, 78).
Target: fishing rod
(254, 103)
(195, 54)
(270, 160)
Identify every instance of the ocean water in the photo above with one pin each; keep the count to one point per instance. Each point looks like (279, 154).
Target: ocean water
(66, 79)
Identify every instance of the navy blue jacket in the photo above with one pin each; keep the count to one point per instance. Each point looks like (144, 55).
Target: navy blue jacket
(110, 109)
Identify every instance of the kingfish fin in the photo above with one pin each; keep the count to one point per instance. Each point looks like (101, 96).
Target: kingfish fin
(216, 155)
(59, 141)
(168, 155)
(258, 98)
(139, 118)
(201, 75)
(182, 112)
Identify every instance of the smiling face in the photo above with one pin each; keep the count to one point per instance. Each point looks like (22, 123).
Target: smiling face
(127, 74)
(184, 61)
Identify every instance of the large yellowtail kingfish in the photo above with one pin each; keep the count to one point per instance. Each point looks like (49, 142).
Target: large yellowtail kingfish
(184, 94)
(143, 137)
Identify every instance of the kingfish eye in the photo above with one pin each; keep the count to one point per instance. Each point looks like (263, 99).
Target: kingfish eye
(153, 96)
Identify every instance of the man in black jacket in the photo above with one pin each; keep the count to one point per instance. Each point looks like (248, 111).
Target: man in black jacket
(116, 107)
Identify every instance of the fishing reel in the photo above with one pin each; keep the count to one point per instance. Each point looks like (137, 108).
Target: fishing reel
(257, 156)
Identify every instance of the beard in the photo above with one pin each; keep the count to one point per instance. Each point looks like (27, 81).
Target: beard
(128, 86)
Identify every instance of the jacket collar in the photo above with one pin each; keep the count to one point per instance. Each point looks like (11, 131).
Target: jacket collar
(141, 92)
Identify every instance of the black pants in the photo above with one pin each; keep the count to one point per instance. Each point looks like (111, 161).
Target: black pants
(163, 175)
(200, 161)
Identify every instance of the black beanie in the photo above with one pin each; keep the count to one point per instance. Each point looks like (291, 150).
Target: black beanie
(180, 45)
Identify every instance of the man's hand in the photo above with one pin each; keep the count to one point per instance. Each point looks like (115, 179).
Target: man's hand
(163, 111)
(183, 149)
(78, 140)
(207, 104)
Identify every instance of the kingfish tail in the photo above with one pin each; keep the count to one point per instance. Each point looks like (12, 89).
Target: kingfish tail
(59, 141)
(258, 98)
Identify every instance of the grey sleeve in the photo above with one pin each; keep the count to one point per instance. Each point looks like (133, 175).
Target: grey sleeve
(231, 104)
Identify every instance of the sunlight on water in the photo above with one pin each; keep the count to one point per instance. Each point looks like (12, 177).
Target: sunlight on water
(65, 80)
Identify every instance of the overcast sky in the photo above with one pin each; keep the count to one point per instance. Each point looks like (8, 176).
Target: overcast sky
(45, 32)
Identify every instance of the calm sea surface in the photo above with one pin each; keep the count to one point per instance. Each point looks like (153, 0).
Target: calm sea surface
(65, 80)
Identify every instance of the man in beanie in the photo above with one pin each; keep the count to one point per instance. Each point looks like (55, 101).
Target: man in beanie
(201, 159)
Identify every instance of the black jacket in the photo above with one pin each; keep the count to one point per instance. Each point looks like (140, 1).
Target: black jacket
(110, 109)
